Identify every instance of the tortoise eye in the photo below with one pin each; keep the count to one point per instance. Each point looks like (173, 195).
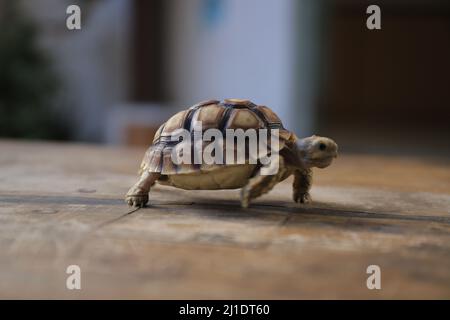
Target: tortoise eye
(322, 146)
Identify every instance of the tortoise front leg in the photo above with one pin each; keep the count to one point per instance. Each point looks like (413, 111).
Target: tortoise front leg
(137, 196)
(302, 185)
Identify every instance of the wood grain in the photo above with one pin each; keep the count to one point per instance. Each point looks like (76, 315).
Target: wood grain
(62, 204)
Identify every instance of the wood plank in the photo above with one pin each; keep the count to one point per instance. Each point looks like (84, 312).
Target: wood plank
(61, 204)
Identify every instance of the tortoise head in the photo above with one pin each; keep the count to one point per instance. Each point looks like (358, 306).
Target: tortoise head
(316, 151)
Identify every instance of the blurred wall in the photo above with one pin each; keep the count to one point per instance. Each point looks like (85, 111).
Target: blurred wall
(314, 62)
(93, 62)
(261, 50)
(388, 89)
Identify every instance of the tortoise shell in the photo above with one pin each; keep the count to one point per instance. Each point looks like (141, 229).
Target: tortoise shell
(229, 114)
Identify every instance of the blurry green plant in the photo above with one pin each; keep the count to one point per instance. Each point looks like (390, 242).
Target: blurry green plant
(28, 86)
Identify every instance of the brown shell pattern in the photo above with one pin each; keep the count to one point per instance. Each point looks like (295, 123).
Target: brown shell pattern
(229, 114)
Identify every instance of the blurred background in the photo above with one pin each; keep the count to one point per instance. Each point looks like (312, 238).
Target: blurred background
(136, 62)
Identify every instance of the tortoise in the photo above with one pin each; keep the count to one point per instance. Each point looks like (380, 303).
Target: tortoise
(295, 156)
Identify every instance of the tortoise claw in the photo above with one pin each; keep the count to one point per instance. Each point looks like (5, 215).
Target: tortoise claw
(138, 201)
(303, 198)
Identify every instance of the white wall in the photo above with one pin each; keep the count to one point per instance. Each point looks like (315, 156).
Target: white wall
(251, 51)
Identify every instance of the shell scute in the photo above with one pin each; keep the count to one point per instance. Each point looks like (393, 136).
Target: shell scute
(210, 115)
(231, 114)
(269, 115)
(244, 119)
(174, 123)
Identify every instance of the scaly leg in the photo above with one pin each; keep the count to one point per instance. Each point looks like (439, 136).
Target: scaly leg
(302, 184)
(138, 194)
(261, 184)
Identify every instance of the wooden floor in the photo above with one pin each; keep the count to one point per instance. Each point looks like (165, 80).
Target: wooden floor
(62, 204)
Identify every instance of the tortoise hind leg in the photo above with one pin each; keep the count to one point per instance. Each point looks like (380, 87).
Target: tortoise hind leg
(137, 196)
(260, 184)
(257, 186)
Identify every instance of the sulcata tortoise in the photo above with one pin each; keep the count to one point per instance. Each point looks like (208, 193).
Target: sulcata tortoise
(294, 156)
